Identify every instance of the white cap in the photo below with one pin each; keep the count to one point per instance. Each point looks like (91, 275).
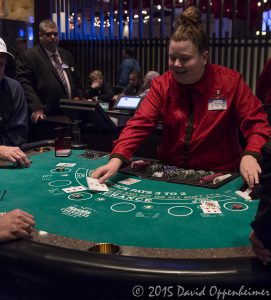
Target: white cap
(3, 48)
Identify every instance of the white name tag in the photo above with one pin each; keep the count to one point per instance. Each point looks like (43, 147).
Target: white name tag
(64, 66)
(217, 104)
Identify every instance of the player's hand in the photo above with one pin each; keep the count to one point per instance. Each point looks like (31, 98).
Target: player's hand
(96, 84)
(250, 170)
(14, 155)
(110, 169)
(260, 251)
(16, 224)
(38, 115)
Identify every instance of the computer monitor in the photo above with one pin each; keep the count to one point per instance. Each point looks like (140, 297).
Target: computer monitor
(87, 112)
(128, 103)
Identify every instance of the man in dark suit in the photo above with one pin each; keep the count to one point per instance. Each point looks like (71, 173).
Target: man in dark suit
(47, 73)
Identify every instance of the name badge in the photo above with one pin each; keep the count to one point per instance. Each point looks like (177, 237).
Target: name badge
(64, 66)
(217, 104)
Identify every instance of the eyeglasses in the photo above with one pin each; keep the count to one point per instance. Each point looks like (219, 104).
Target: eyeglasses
(50, 33)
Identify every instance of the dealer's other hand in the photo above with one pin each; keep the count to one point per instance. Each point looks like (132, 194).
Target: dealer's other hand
(110, 169)
(14, 155)
(250, 170)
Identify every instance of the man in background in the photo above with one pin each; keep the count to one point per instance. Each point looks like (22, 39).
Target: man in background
(47, 73)
(128, 65)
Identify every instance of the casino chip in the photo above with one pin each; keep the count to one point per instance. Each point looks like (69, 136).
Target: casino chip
(77, 196)
(237, 206)
(140, 164)
(60, 169)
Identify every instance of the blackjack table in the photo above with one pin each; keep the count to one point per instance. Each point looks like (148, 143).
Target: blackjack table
(160, 242)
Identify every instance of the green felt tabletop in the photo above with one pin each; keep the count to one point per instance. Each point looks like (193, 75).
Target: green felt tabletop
(146, 213)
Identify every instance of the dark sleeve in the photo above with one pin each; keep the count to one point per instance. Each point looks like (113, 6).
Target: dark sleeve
(88, 94)
(73, 75)
(263, 82)
(262, 222)
(106, 93)
(17, 128)
(25, 75)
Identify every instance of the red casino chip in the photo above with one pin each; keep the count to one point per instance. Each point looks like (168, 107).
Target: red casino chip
(237, 206)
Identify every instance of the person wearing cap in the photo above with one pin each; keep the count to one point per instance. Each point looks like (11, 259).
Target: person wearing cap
(47, 73)
(13, 114)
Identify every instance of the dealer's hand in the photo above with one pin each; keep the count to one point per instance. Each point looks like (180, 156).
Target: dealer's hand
(16, 224)
(250, 170)
(260, 251)
(38, 115)
(108, 170)
(14, 155)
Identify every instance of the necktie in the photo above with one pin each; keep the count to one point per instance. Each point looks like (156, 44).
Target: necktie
(60, 72)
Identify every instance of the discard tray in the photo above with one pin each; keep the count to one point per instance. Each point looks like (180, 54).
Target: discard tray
(155, 170)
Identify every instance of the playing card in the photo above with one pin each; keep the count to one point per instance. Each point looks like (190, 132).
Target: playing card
(95, 185)
(73, 189)
(245, 194)
(210, 207)
(210, 210)
(129, 181)
(65, 164)
(210, 203)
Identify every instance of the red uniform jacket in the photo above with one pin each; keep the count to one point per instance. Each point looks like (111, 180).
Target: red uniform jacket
(194, 136)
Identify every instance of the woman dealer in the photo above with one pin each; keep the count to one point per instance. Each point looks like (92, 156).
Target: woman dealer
(202, 106)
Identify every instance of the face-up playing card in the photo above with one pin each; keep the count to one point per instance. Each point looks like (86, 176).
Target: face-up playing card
(73, 189)
(66, 165)
(95, 185)
(245, 194)
(129, 181)
(210, 210)
(210, 207)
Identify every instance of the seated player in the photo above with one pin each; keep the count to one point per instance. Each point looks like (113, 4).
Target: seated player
(14, 155)
(145, 87)
(13, 107)
(98, 89)
(15, 224)
(202, 107)
(133, 87)
(261, 237)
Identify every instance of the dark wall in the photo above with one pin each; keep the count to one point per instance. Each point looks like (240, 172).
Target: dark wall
(41, 12)
(9, 30)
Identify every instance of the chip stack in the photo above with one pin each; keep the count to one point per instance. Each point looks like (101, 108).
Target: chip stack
(140, 164)
(154, 168)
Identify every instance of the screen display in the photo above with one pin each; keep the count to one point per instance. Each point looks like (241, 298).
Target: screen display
(128, 102)
(266, 23)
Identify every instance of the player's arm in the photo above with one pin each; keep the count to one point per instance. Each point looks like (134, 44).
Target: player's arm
(110, 169)
(14, 155)
(16, 224)
(260, 251)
